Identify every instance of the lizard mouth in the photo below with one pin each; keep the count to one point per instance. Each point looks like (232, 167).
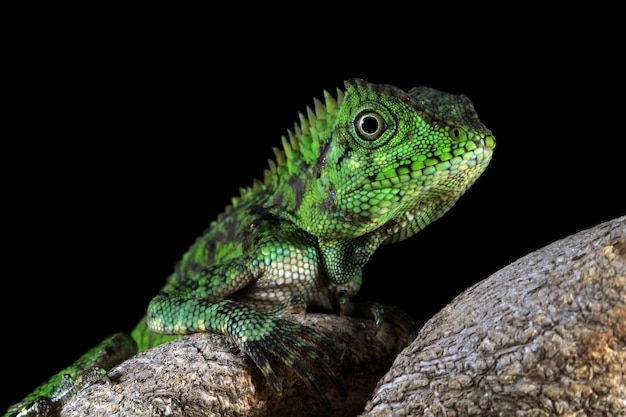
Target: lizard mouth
(484, 148)
(487, 142)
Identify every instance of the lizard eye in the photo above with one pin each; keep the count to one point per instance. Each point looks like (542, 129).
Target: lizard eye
(369, 125)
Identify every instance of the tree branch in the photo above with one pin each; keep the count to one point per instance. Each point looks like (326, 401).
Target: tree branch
(205, 375)
(544, 336)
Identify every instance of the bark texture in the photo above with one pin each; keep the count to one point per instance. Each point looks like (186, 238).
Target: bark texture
(206, 375)
(545, 336)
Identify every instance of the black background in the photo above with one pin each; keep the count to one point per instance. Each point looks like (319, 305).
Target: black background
(128, 137)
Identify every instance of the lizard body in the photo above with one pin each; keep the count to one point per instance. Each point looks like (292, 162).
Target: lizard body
(372, 165)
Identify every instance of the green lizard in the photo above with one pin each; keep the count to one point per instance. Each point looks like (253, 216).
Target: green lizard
(372, 165)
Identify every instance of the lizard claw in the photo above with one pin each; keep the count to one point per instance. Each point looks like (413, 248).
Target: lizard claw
(380, 313)
(294, 344)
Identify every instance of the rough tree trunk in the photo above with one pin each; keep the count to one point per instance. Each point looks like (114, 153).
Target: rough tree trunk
(205, 375)
(544, 336)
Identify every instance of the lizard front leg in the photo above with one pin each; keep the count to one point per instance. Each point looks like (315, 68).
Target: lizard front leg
(196, 305)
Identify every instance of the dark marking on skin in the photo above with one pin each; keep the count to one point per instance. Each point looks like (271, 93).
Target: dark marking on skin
(391, 227)
(297, 185)
(261, 195)
(320, 163)
(258, 215)
(262, 214)
(328, 205)
(245, 244)
(355, 219)
(278, 198)
(210, 248)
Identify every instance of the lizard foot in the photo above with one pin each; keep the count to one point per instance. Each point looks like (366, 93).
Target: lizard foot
(379, 313)
(294, 344)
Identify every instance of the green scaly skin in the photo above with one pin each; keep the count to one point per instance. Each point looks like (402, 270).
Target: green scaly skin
(373, 165)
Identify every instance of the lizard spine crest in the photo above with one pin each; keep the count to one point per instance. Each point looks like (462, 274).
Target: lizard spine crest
(300, 145)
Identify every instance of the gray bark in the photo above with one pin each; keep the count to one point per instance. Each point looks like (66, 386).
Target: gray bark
(205, 375)
(544, 336)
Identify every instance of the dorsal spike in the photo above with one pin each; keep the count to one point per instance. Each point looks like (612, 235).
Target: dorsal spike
(311, 116)
(305, 141)
(272, 166)
(297, 128)
(257, 186)
(304, 124)
(300, 146)
(339, 97)
(287, 147)
(280, 157)
(314, 135)
(293, 140)
(267, 175)
(320, 109)
(331, 103)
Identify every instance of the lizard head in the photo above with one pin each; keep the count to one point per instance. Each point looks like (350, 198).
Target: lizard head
(394, 162)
